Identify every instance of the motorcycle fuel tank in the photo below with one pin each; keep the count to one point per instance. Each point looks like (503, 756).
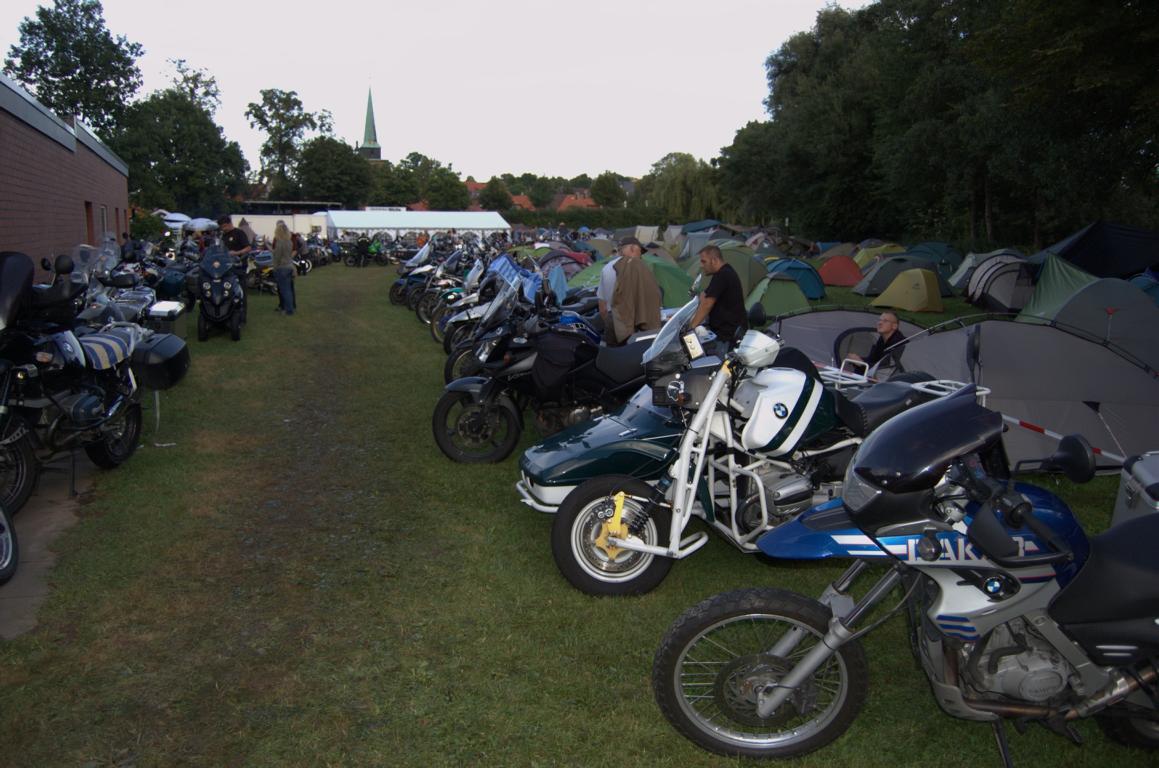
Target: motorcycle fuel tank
(778, 405)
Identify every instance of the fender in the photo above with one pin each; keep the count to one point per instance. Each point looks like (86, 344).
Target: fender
(482, 389)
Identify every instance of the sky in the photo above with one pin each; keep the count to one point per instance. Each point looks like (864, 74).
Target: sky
(505, 86)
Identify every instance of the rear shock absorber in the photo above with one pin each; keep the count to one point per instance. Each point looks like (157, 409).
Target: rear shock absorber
(655, 501)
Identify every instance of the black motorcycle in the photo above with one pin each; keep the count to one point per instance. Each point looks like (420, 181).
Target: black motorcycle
(64, 386)
(563, 377)
(220, 292)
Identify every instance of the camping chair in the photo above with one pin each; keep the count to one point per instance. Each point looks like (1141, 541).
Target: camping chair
(858, 340)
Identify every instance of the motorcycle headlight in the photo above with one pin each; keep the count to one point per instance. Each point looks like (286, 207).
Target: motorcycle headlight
(205, 287)
(856, 492)
(228, 285)
(485, 349)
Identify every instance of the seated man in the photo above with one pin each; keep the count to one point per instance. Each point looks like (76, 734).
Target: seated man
(887, 336)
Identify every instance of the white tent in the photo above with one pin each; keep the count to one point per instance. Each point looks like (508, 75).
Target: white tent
(399, 222)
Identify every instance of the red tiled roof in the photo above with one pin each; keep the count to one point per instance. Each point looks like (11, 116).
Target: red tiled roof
(474, 187)
(522, 201)
(575, 201)
(421, 205)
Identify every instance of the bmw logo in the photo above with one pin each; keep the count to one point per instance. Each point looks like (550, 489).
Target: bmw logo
(780, 411)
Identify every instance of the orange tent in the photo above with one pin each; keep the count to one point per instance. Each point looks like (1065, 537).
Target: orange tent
(840, 270)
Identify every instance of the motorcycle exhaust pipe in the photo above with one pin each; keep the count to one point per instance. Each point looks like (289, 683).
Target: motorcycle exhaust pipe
(1121, 689)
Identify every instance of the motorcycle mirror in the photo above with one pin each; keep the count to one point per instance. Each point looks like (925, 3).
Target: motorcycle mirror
(46, 264)
(757, 315)
(64, 265)
(1074, 458)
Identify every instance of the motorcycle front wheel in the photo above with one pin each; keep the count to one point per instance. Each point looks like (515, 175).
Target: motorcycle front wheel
(580, 549)
(398, 293)
(18, 468)
(474, 433)
(718, 656)
(9, 549)
(426, 307)
(119, 440)
(436, 316)
(461, 362)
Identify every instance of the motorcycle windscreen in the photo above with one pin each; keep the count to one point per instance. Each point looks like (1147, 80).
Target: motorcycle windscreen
(912, 451)
(216, 262)
(15, 286)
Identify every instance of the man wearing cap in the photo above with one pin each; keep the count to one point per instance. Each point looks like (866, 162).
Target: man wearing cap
(635, 302)
(722, 302)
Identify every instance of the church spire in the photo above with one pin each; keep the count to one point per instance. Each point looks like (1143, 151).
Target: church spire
(370, 148)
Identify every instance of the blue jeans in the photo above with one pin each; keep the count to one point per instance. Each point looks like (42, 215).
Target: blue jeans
(284, 276)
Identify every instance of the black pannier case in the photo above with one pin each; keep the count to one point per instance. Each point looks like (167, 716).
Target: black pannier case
(160, 361)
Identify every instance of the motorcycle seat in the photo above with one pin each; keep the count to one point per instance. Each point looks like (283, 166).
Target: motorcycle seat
(107, 349)
(868, 410)
(622, 364)
(1119, 580)
(583, 306)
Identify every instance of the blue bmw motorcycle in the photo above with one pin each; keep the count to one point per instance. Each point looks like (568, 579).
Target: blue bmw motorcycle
(1014, 612)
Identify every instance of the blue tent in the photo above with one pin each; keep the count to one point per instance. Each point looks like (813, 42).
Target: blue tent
(1148, 284)
(803, 273)
(699, 226)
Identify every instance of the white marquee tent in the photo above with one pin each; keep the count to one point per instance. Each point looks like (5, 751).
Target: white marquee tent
(399, 222)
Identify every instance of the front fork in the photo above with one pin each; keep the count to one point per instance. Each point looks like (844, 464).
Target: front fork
(847, 615)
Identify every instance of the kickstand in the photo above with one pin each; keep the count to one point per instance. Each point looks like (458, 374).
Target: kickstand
(1003, 746)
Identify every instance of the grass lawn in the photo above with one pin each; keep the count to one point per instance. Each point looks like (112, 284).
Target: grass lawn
(303, 579)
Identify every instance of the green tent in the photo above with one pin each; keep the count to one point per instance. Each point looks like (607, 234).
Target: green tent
(1057, 282)
(673, 281)
(749, 268)
(778, 294)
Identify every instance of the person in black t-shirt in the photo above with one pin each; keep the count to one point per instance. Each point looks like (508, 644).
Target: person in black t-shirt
(722, 302)
(238, 244)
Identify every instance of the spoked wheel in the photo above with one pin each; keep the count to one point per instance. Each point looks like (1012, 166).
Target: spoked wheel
(9, 549)
(474, 433)
(398, 293)
(18, 468)
(426, 307)
(436, 328)
(719, 659)
(461, 362)
(119, 439)
(583, 524)
(459, 337)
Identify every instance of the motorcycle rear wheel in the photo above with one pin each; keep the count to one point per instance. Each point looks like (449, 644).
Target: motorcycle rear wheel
(9, 547)
(474, 433)
(235, 326)
(718, 655)
(578, 524)
(1132, 731)
(120, 442)
(18, 472)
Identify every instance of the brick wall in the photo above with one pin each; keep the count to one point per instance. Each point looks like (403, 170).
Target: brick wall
(44, 188)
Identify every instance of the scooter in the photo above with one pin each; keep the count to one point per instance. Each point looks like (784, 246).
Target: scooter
(1013, 611)
(221, 298)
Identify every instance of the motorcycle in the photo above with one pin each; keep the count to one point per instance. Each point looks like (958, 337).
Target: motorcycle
(1013, 612)
(564, 377)
(221, 298)
(746, 444)
(64, 386)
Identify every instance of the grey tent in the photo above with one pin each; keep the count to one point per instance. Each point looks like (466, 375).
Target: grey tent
(882, 273)
(977, 279)
(692, 245)
(1003, 286)
(943, 257)
(961, 277)
(828, 335)
(1112, 311)
(1058, 280)
(1049, 378)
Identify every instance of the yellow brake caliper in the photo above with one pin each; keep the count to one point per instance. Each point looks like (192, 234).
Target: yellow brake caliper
(613, 527)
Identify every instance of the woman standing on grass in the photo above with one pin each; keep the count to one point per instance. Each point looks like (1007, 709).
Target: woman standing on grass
(283, 265)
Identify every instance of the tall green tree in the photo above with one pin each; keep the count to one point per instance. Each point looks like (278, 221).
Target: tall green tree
(540, 191)
(495, 196)
(197, 84)
(178, 156)
(330, 169)
(74, 65)
(392, 185)
(281, 116)
(606, 190)
(682, 188)
(445, 192)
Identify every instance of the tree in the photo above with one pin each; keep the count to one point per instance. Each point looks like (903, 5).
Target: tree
(281, 116)
(683, 188)
(178, 157)
(495, 196)
(73, 64)
(392, 185)
(607, 192)
(445, 192)
(541, 191)
(197, 84)
(330, 169)
(583, 181)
